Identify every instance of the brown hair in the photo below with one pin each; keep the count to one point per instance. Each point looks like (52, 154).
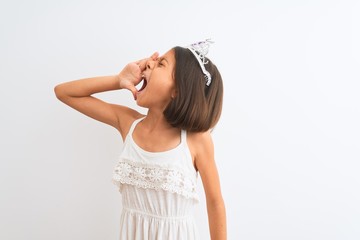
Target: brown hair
(196, 107)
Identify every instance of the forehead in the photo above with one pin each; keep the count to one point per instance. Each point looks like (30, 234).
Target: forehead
(169, 56)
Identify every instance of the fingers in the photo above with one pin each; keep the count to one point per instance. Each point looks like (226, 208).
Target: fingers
(154, 56)
(142, 63)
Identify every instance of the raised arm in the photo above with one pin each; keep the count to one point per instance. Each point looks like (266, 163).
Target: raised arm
(78, 95)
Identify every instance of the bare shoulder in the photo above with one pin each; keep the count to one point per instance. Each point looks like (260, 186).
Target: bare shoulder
(200, 139)
(126, 116)
(201, 147)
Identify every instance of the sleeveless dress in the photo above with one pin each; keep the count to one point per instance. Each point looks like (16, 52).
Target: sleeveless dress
(158, 192)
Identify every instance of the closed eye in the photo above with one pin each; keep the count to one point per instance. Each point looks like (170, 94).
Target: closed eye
(160, 62)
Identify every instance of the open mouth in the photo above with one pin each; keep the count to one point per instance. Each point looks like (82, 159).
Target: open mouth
(144, 83)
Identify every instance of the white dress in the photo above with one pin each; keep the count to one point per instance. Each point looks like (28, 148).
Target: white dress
(158, 192)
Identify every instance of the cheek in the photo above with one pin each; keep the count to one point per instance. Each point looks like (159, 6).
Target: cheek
(164, 83)
(168, 88)
(163, 92)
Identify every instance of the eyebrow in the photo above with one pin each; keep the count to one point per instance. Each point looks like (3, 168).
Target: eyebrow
(162, 58)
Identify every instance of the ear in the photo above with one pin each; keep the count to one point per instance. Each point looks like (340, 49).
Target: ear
(173, 94)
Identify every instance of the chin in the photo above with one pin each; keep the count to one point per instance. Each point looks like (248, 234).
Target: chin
(141, 103)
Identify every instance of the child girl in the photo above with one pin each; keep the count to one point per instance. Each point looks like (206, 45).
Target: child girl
(165, 149)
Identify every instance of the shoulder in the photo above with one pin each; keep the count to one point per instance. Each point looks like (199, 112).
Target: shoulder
(201, 147)
(200, 139)
(126, 116)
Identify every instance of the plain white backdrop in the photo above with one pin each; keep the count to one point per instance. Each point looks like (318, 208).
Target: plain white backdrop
(287, 146)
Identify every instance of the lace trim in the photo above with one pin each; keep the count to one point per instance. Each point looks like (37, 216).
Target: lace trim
(154, 177)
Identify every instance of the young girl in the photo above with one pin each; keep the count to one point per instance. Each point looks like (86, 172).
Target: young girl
(165, 149)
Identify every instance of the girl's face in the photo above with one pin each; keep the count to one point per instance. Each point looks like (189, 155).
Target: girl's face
(159, 85)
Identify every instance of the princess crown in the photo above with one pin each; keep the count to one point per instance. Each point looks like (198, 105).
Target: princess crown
(200, 49)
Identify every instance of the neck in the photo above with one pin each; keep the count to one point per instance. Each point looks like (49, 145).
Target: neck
(155, 121)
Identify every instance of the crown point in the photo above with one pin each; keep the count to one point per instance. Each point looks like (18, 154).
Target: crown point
(200, 49)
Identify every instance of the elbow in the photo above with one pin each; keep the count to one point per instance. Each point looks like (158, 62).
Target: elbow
(215, 202)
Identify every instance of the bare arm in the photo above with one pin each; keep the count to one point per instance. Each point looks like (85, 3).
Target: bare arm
(205, 163)
(87, 86)
(78, 95)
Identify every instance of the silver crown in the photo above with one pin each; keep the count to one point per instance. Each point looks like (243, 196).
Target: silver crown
(200, 49)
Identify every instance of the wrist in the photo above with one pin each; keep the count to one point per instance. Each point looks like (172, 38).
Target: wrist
(118, 80)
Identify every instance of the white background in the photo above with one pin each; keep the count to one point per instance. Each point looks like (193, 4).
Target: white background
(287, 146)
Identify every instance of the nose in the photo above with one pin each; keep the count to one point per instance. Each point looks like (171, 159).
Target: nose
(150, 64)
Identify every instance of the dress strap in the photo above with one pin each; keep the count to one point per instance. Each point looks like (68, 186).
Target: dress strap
(183, 136)
(133, 125)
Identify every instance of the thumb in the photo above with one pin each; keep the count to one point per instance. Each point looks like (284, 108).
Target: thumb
(133, 91)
